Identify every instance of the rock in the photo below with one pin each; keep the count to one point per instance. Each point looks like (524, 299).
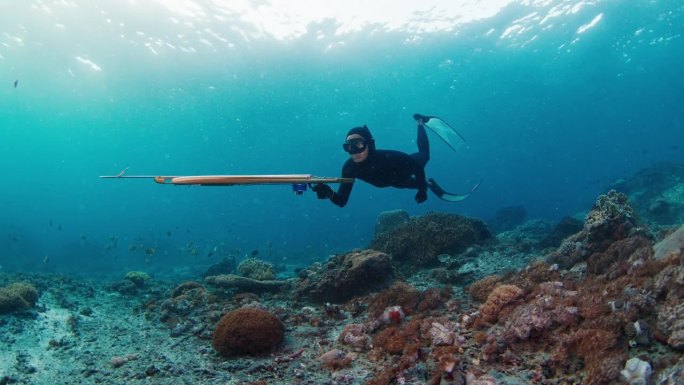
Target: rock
(673, 243)
(243, 284)
(346, 276)
(389, 220)
(227, 265)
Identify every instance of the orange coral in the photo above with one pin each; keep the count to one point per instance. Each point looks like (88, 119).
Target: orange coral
(400, 294)
(501, 297)
(481, 289)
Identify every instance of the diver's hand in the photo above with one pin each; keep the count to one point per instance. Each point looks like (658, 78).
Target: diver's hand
(323, 191)
(421, 196)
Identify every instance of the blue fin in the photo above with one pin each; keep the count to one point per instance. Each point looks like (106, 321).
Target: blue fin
(442, 129)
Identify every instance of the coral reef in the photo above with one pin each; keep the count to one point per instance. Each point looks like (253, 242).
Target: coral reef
(419, 241)
(17, 296)
(257, 269)
(247, 331)
(346, 276)
(611, 219)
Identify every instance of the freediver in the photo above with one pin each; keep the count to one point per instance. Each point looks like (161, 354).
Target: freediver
(385, 168)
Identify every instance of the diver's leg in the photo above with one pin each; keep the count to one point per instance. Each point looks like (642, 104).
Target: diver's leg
(423, 154)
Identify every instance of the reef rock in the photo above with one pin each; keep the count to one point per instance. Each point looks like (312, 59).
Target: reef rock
(389, 220)
(610, 220)
(671, 322)
(346, 276)
(419, 241)
(673, 243)
(242, 284)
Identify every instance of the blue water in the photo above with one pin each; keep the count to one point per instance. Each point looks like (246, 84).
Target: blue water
(553, 109)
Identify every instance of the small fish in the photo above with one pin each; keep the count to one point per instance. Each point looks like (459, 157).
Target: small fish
(211, 253)
(255, 252)
(59, 227)
(16, 83)
(46, 259)
(150, 251)
(50, 222)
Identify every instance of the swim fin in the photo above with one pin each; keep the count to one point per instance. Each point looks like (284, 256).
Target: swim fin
(449, 197)
(447, 133)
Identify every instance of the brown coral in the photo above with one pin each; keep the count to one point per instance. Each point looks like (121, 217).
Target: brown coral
(247, 331)
(420, 240)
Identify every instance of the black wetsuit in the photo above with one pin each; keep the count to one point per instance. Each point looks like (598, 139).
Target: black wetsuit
(388, 168)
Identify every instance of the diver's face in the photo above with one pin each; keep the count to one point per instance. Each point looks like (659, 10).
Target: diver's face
(360, 156)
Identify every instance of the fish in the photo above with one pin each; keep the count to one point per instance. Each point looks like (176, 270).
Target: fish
(211, 253)
(46, 259)
(255, 252)
(16, 83)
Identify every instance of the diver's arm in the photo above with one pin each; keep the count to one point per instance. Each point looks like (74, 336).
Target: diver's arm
(341, 197)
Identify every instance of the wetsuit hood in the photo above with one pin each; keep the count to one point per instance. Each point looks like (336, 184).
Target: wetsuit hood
(366, 135)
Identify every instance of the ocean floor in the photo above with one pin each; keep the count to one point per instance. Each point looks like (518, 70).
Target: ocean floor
(592, 301)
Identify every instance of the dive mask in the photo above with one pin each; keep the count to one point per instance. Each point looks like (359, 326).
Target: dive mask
(355, 146)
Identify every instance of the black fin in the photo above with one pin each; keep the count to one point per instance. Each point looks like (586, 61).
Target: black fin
(447, 196)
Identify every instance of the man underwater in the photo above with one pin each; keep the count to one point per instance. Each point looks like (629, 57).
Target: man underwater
(382, 168)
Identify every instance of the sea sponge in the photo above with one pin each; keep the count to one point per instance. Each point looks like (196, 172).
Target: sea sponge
(247, 331)
(17, 296)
